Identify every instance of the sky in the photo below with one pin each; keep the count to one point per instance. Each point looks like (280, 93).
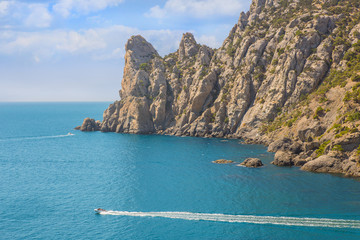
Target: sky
(73, 50)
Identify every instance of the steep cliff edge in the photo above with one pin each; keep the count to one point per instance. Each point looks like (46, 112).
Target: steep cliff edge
(287, 75)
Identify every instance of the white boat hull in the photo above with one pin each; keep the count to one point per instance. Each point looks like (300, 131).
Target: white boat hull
(99, 210)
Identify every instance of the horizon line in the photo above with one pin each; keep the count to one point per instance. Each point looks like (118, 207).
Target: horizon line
(57, 101)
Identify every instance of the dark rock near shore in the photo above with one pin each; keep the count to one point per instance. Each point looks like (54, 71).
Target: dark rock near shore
(281, 144)
(300, 159)
(252, 163)
(295, 148)
(309, 146)
(309, 133)
(285, 144)
(282, 158)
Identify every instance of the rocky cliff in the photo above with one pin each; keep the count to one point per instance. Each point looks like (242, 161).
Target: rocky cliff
(287, 75)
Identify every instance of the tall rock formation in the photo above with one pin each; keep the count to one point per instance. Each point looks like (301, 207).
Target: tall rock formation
(260, 85)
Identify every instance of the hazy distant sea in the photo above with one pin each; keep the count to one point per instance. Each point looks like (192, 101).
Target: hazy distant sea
(159, 187)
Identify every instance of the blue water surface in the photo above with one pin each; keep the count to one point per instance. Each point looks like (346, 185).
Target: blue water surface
(50, 183)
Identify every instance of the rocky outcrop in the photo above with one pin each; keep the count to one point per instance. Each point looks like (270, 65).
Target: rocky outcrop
(198, 91)
(252, 163)
(323, 164)
(89, 125)
(256, 86)
(223, 161)
(285, 144)
(283, 159)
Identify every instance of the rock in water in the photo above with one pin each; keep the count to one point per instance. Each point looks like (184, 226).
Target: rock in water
(90, 125)
(252, 163)
(222, 161)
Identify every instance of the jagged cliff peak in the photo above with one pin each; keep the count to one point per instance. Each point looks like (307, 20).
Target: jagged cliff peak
(243, 20)
(139, 50)
(188, 46)
(256, 5)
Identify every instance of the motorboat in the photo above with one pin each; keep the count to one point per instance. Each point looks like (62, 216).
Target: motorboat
(99, 210)
(70, 134)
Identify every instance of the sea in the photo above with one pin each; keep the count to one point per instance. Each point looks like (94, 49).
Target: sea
(155, 187)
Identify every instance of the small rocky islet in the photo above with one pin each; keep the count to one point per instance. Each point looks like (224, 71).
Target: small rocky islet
(252, 163)
(223, 161)
(287, 76)
(249, 162)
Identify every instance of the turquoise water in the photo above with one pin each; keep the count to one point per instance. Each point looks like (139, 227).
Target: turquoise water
(50, 183)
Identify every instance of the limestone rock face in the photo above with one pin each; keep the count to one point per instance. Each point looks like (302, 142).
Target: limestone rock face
(230, 92)
(323, 164)
(188, 47)
(254, 86)
(90, 125)
(284, 159)
(281, 144)
(252, 163)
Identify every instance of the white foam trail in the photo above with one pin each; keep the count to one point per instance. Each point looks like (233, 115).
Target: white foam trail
(288, 221)
(35, 138)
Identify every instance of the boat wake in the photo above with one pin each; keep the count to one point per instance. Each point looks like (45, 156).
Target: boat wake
(287, 221)
(36, 138)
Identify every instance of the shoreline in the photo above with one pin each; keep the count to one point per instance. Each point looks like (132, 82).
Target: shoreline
(280, 148)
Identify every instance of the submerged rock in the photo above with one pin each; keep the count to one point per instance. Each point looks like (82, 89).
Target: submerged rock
(223, 161)
(252, 163)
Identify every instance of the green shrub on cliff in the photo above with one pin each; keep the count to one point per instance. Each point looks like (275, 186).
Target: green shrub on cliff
(293, 118)
(231, 50)
(352, 116)
(338, 148)
(318, 111)
(353, 95)
(344, 131)
(321, 150)
(299, 33)
(144, 67)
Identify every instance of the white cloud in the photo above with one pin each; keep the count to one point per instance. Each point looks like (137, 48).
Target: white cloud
(157, 12)
(4, 7)
(17, 13)
(98, 43)
(84, 41)
(209, 40)
(196, 8)
(40, 45)
(36, 59)
(66, 7)
(39, 16)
